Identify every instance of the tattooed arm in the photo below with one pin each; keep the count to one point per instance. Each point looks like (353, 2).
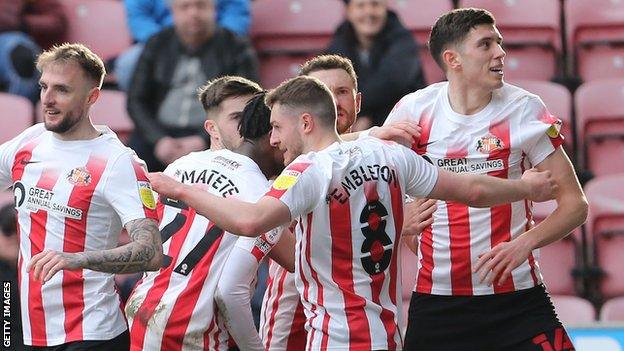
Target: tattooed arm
(142, 253)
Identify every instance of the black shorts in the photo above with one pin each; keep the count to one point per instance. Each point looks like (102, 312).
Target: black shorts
(507, 322)
(119, 343)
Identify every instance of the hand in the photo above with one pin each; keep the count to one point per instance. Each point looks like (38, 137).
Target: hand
(362, 123)
(165, 185)
(418, 216)
(48, 262)
(403, 132)
(166, 150)
(542, 187)
(501, 260)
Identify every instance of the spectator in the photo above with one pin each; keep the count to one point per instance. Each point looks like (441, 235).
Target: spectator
(384, 55)
(148, 17)
(9, 246)
(25, 28)
(162, 100)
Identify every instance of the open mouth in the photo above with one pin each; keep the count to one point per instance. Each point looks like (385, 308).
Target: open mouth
(497, 70)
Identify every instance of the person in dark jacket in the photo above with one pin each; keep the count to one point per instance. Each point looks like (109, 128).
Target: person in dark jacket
(384, 55)
(27, 27)
(162, 100)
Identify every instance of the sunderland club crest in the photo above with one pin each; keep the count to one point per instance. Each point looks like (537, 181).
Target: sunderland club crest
(79, 176)
(489, 143)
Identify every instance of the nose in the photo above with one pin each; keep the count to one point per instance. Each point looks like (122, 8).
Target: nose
(47, 98)
(500, 52)
(273, 140)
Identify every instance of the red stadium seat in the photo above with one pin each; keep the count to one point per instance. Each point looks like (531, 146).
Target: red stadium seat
(558, 100)
(288, 32)
(573, 310)
(595, 31)
(613, 310)
(19, 111)
(418, 17)
(99, 24)
(557, 260)
(600, 125)
(605, 225)
(530, 30)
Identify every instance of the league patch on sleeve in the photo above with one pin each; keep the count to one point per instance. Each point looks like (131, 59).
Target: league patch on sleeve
(286, 180)
(554, 130)
(146, 194)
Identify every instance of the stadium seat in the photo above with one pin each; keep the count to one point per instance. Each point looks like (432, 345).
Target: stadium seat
(613, 310)
(557, 260)
(288, 32)
(99, 24)
(573, 310)
(605, 224)
(531, 35)
(595, 34)
(18, 115)
(418, 17)
(558, 100)
(600, 125)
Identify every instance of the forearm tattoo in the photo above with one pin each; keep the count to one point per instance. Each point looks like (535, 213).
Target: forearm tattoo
(135, 256)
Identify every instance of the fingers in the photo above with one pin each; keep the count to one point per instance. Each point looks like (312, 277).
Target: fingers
(45, 264)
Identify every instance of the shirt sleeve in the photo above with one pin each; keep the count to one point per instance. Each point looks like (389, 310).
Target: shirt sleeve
(9, 149)
(400, 112)
(128, 190)
(233, 297)
(297, 186)
(421, 176)
(540, 131)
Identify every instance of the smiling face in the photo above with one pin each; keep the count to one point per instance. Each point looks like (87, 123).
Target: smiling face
(367, 17)
(345, 95)
(285, 133)
(481, 57)
(223, 126)
(66, 95)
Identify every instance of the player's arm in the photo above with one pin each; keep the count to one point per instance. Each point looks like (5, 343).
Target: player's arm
(403, 132)
(485, 191)
(233, 298)
(232, 215)
(142, 253)
(284, 250)
(570, 213)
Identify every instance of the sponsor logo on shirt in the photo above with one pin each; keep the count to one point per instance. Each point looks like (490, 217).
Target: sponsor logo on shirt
(286, 180)
(34, 199)
(464, 165)
(226, 162)
(146, 194)
(489, 143)
(79, 176)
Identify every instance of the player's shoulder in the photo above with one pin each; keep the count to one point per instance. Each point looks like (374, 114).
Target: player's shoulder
(512, 94)
(114, 146)
(425, 95)
(30, 133)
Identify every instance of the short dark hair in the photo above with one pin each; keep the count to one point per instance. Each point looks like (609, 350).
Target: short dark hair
(255, 121)
(8, 220)
(91, 63)
(307, 93)
(213, 93)
(325, 62)
(453, 27)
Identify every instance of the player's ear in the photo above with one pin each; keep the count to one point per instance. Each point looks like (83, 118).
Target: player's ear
(93, 95)
(358, 102)
(211, 127)
(451, 59)
(307, 123)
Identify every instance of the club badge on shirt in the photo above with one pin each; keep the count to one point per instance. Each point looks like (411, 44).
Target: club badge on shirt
(146, 194)
(489, 143)
(79, 176)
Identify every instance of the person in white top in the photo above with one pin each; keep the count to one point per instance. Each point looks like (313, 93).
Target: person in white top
(282, 318)
(76, 185)
(347, 198)
(478, 268)
(191, 304)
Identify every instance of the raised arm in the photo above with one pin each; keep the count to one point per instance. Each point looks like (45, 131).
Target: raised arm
(234, 216)
(142, 253)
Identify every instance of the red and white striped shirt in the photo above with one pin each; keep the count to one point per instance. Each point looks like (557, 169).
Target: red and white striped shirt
(348, 201)
(72, 196)
(282, 320)
(174, 308)
(512, 133)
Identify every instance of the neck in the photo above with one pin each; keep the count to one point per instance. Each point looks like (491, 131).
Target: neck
(466, 100)
(364, 42)
(320, 140)
(81, 131)
(194, 42)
